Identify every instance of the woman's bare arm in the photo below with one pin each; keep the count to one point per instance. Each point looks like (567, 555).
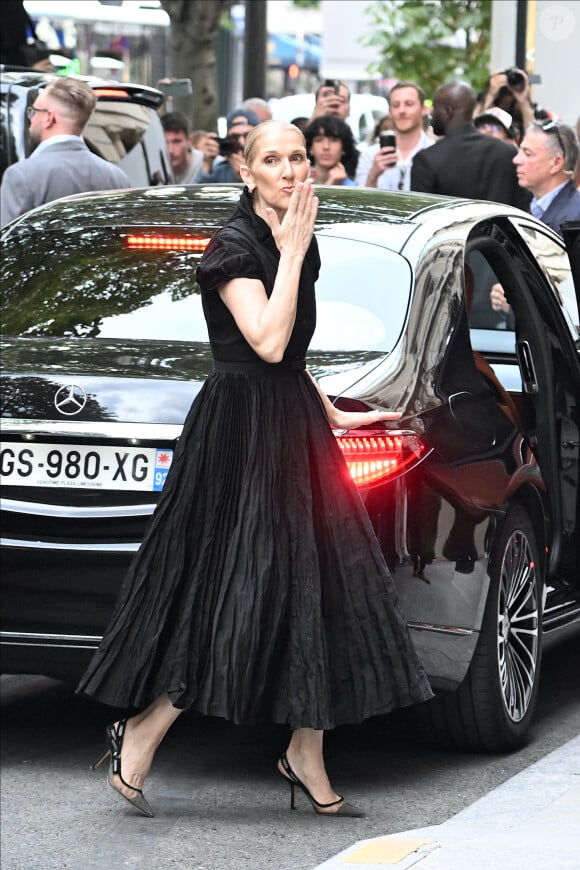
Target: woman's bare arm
(267, 323)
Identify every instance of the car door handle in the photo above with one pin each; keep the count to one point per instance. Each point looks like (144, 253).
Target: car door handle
(527, 368)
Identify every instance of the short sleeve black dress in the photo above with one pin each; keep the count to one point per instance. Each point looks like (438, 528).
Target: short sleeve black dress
(259, 592)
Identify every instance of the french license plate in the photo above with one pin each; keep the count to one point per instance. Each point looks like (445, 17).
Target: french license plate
(82, 466)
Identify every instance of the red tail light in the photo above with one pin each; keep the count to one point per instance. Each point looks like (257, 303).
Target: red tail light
(116, 93)
(166, 243)
(373, 458)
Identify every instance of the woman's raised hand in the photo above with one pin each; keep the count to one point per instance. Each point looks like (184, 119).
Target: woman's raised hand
(294, 234)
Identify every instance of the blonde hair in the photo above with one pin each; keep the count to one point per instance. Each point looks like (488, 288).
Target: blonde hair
(75, 96)
(256, 133)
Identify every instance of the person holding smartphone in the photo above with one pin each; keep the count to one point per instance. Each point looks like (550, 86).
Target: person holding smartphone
(387, 165)
(332, 98)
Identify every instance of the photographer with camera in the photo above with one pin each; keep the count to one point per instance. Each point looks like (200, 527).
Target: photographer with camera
(509, 89)
(226, 167)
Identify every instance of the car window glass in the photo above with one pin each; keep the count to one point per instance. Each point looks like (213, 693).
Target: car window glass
(14, 138)
(554, 262)
(7, 145)
(88, 283)
(114, 129)
(480, 312)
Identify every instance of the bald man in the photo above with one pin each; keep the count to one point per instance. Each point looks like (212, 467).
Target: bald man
(465, 162)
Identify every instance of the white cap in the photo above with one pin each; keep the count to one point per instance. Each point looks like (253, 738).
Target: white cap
(504, 118)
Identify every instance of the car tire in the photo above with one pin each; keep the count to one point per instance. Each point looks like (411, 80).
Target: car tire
(493, 708)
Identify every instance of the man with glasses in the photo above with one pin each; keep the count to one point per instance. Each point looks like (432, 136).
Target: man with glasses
(61, 163)
(545, 166)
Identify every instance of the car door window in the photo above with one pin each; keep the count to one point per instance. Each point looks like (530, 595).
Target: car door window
(554, 262)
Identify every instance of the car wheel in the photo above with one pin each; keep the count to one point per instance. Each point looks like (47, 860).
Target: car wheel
(492, 709)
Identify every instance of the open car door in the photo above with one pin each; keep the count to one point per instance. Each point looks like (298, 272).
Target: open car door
(571, 233)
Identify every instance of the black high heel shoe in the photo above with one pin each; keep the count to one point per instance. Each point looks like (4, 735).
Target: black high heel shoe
(344, 808)
(114, 737)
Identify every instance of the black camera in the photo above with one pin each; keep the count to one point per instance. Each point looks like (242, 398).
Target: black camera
(230, 145)
(515, 79)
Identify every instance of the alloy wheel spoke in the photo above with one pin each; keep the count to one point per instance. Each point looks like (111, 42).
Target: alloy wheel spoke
(526, 657)
(524, 676)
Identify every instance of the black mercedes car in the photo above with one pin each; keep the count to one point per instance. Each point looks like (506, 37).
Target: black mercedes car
(474, 494)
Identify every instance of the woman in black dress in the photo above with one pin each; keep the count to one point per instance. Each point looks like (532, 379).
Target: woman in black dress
(259, 592)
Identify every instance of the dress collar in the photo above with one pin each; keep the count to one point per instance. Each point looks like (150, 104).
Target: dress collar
(246, 207)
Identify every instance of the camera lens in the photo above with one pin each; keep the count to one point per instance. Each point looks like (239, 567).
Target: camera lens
(515, 79)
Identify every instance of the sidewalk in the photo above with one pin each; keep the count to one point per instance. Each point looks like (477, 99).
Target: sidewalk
(532, 819)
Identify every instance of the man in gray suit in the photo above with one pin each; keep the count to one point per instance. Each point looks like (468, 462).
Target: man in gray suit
(61, 164)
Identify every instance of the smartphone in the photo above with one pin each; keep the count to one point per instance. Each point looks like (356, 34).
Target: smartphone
(330, 83)
(176, 87)
(387, 140)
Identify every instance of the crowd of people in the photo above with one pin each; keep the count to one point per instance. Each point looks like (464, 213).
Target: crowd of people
(498, 145)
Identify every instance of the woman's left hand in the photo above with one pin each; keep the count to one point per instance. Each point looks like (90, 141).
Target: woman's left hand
(354, 419)
(339, 419)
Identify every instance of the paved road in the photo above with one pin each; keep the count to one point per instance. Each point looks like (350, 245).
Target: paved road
(219, 803)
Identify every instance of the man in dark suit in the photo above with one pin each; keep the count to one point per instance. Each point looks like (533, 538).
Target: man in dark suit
(465, 163)
(545, 166)
(61, 163)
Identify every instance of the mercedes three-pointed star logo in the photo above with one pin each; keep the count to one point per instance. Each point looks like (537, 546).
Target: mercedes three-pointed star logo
(70, 400)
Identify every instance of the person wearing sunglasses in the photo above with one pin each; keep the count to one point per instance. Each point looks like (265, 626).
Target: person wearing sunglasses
(545, 166)
(496, 122)
(61, 163)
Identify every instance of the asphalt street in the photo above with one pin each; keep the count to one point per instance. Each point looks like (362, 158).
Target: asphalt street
(218, 800)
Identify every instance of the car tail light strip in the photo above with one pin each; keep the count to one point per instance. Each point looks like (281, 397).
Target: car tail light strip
(372, 459)
(166, 243)
(116, 93)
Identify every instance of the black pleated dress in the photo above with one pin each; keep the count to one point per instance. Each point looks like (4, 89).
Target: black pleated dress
(260, 592)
